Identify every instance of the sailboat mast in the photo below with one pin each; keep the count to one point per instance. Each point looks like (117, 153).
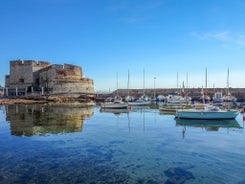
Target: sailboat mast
(128, 82)
(117, 83)
(206, 80)
(187, 84)
(177, 82)
(228, 82)
(144, 81)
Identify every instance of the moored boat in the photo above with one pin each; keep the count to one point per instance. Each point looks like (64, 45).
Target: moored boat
(115, 103)
(139, 103)
(228, 97)
(142, 101)
(171, 108)
(205, 111)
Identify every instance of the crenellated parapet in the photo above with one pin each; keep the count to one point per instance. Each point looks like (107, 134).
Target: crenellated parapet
(22, 62)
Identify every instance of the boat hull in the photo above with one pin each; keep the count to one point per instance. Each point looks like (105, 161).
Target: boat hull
(206, 115)
(114, 106)
(138, 103)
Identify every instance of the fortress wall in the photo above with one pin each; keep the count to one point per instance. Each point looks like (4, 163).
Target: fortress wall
(21, 73)
(69, 72)
(40, 65)
(7, 80)
(77, 69)
(65, 86)
(65, 78)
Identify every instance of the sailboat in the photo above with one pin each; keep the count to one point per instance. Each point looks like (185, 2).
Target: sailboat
(205, 98)
(129, 98)
(206, 111)
(228, 97)
(174, 98)
(114, 103)
(143, 100)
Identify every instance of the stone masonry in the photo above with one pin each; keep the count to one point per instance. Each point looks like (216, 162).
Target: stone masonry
(30, 76)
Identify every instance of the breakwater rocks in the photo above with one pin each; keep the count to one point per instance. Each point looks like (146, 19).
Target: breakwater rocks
(194, 93)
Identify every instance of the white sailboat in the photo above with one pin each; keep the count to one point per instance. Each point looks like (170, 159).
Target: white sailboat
(114, 103)
(175, 98)
(143, 100)
(205, 97)
(228, 97)
(129, 98)
(205, 111)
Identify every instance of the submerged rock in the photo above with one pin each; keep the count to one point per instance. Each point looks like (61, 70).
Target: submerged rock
(177, 175)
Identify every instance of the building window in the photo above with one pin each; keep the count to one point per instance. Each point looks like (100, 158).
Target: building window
(21, 80)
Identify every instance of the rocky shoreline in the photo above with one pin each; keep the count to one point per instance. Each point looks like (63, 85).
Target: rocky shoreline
(55, 99)
(9, 101)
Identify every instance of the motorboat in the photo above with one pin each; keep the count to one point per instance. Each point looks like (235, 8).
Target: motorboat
(229, 98)
(142, 101)
(175, 98)
(161, 98)
(206, 111)
(114, 103)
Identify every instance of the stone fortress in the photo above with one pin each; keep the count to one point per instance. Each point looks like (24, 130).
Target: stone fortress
(43, 78)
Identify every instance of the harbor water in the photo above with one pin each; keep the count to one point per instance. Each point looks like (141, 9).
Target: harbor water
(70, 144)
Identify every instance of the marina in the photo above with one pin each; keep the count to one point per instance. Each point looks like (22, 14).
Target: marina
(122, 92)
(70, 144)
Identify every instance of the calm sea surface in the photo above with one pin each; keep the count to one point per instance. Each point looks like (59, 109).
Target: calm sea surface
(44, 144)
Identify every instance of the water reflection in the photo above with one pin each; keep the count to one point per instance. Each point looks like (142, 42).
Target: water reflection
(208, 125)
(40, 119)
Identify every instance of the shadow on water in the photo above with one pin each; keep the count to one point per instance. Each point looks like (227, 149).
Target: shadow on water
(40, 119)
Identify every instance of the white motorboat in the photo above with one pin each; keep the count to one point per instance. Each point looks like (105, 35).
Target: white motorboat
(139, 103)
(116, 103)
(175, 99)
(205, 111)
(142, 101)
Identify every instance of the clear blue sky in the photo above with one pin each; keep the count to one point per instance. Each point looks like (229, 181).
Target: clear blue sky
(110, 37)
